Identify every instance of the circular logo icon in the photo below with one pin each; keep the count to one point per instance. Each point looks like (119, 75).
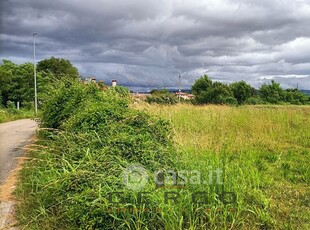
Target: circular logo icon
(135, 177)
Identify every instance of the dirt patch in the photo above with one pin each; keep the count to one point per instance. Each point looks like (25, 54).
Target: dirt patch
(8, 187)
(7, 199)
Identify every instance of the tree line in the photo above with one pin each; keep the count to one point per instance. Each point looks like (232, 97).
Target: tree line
(17, 81)
(17, 85)
(208, 92)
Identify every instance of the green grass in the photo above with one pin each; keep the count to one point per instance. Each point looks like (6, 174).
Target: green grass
(266, 150)
(263, 152)
(13, 114)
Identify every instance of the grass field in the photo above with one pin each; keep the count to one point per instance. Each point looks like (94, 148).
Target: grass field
(13, 114)
(262, 153)
(264, 150)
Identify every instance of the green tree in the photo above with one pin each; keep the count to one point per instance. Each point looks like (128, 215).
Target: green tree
(272, 93)
(219, 93)
(6, 78)
(242, 91)
(200, 87)
(23, 83)
(59, 68)
(216, 93)
(17, 83)
(294, 96)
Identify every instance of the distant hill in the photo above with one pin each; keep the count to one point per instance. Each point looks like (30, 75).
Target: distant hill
(306, 92)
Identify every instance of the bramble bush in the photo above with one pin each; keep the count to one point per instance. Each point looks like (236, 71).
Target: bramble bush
(88, 138)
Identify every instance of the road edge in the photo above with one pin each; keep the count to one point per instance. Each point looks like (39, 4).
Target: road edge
(7, 198)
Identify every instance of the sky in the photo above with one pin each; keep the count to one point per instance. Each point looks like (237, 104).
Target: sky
(146, 44)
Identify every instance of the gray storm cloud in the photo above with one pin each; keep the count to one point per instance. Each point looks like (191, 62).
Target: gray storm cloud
(148, 43)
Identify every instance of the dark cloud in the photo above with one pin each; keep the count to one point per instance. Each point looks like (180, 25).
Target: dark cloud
(148, 43)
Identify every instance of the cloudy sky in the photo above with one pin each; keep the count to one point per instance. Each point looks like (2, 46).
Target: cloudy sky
(147, 43)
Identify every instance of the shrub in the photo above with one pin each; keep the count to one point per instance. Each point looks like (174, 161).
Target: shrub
(242, 91)
(294, 96)
(66, 98)
(272, 93)
(28, 105)
(98, 136)
(254, 101)
(162, 97)
(230, 101)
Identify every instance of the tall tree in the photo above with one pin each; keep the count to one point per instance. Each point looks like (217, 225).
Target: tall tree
(201, 85)
(200, 88)
(8, 72)
(242, 91)
(272, 93)
(59, 68)
(219, 93)
(17, 82)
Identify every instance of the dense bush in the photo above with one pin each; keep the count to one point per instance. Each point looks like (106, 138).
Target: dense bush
(272, 93)
(254, 101)
(242, 91)
(294, 96)
(98, 135)
(162, 97)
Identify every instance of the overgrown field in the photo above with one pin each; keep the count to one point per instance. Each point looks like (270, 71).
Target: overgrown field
(13, 114)
(220, 167)
(266, 150)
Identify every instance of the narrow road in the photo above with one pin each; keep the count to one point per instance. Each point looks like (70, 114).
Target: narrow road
(14, 136)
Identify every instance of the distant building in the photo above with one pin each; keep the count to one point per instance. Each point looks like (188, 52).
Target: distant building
(185, 96)
(90, 79)
(99, 84)
(140, 96)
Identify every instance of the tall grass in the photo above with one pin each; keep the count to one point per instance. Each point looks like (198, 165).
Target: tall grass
(266, 154)
(13, 114)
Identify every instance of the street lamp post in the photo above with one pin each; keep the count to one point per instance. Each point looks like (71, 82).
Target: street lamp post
(179, 88)
(35, 74)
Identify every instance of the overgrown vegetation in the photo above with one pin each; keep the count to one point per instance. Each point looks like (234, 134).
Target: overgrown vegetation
(12, 114)
(162, 97)
(266, 153)
(91, 134)
(76, 164)
(96, 135)
(208, 92)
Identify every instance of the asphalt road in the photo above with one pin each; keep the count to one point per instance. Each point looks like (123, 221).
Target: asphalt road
(14, 136)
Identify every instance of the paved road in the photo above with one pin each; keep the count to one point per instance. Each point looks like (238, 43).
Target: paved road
(14, 136)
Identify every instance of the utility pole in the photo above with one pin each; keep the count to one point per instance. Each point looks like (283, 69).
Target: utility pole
(35, 74)
(179, 88)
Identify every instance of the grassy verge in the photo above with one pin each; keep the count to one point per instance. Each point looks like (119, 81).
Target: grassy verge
(13, 114)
